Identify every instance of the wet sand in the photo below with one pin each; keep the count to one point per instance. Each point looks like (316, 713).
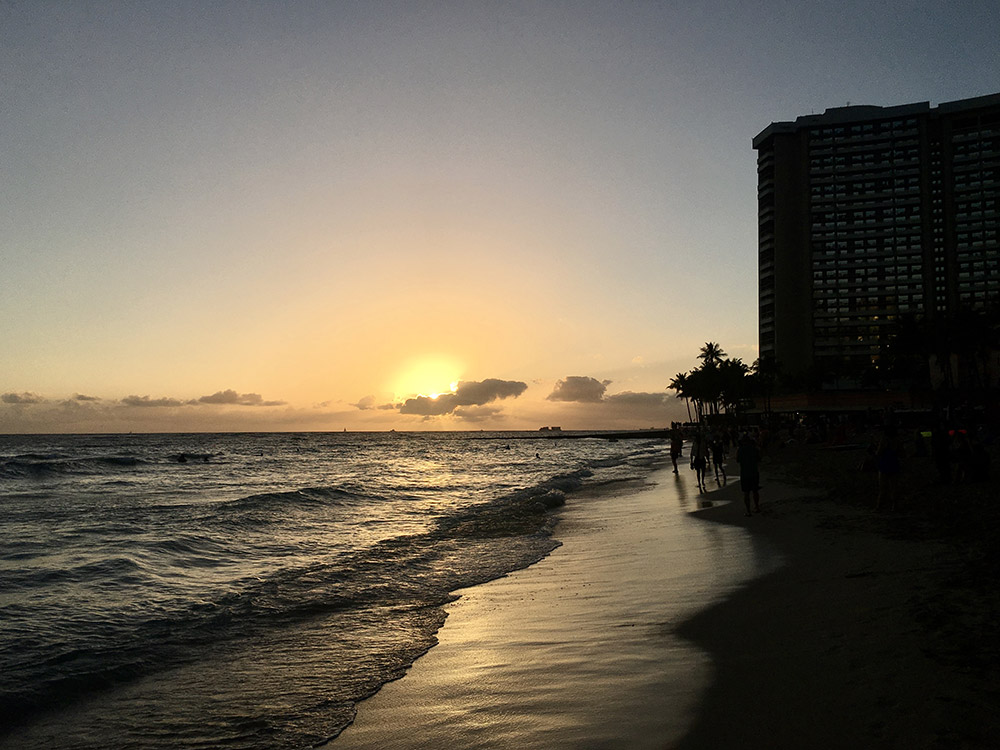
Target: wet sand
(581, 649)
(816, 624)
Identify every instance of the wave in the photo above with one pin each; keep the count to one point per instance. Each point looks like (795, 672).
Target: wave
(40, 466)
(407, 575)
(403, 580)
(120, 569)
(308, 496)
(267, 508)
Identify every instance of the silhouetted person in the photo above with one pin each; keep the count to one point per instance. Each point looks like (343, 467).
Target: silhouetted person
(699, 457)
(748, 457)
(718, 456)
(676, 444)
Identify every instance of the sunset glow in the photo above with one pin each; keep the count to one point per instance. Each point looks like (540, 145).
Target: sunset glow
(427, 376)
(328, 209)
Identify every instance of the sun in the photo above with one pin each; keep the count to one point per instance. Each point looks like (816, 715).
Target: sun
(429, 376)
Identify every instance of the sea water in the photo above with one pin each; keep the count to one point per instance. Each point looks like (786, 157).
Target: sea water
(248, 590)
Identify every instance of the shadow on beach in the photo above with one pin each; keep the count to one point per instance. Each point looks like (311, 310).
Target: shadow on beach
(882, 628)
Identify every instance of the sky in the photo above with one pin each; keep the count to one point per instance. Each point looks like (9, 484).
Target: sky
(408, 215)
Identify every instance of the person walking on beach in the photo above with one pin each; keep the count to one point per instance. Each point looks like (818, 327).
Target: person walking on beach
(748, 457)
(676, 444)
(718, 456)
(699, 458)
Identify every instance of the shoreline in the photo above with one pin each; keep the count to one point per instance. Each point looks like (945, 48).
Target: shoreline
(580, 649)
(859, 638)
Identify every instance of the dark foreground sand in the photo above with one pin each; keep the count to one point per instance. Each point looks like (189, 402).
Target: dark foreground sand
(842, 628)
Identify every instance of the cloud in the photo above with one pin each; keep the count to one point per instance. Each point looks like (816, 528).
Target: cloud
(80, 403)
(232, 398)
(22, 398)
(628, 398)
(219, 398)
(468, 393)
(368, 402)
(426, 406)
(154, 402)
(579, 388)
(472, 393)
(478, 413)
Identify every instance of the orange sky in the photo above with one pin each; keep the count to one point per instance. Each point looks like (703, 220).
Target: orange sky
(299, 216)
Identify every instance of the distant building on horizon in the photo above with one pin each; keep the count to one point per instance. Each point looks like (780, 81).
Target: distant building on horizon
(869, 213)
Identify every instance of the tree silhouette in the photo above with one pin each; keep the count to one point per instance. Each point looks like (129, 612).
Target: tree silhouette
(680, 384)
(711, 353)
(718, 385)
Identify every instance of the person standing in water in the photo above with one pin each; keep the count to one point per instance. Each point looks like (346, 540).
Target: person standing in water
(748, 457)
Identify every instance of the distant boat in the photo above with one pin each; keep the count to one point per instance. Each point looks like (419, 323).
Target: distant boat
(550, 429)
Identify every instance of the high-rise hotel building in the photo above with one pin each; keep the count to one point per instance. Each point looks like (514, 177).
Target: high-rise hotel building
(868, 213)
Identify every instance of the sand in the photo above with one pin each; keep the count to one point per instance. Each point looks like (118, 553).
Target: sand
(661, 625)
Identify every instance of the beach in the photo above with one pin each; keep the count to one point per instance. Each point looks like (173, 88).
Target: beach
(817, 623)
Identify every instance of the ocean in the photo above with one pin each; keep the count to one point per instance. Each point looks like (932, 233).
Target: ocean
(248, 590)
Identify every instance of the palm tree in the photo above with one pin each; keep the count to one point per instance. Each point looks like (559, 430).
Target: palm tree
(735, 384)
(703, 390)
(765, 373)
(711, 354)
(680, 384)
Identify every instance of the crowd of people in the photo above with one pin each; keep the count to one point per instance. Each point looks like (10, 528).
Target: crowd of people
(959, 454)
(710, 448)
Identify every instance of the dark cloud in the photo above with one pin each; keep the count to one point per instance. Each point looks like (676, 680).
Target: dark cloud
(368, 402)
(223, 398)
(232, 398)
(472, 393)
(426, 406)
(22, 398)
(579, 388)
(468, 393)
(478, 413)
(628, 398)
(147, 401)
(80, 403)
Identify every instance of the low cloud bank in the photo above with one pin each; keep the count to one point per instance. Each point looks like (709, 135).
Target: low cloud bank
(587, 390)
(227, 397)
(233, 398)
(22, 398)
(629, 398)
(146, 401)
